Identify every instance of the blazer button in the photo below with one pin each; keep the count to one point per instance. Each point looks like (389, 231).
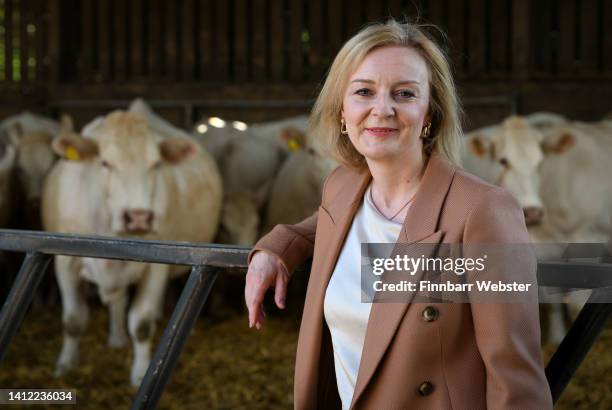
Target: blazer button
(426, 388)
(430, 314)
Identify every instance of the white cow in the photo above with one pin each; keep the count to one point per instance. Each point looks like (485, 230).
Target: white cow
(240, 219)
(126, 180)
(556, 169)
(157, 123)
(7, 205)
(31, 135)
(296, 193)
(574, 183)
(249, 161)
(7, 162)
(277, 130)
(509, 155)
(577, 196)
(244, 193)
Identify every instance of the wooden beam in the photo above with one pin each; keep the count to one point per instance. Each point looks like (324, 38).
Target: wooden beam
(589, 41)
(221, 42)
(119, 26)
(317, 48)
(8, 40)
(137, 44)
(259, 24)
(188, 34)
(521, 36)
(170, 40)
(567, 62)
(277, 40)
(296, 56)
(240, 41)
(104, 45)
(205, 36)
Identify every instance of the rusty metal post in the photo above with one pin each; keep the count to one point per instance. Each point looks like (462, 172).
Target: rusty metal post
(22, 292)
(175, 335)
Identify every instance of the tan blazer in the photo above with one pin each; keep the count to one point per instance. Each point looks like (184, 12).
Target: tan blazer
(470, 356)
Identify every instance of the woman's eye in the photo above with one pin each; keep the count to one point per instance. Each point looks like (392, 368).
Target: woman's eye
(363, 92)
(405, 94)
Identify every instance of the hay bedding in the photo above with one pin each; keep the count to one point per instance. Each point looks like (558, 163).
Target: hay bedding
(223, 366)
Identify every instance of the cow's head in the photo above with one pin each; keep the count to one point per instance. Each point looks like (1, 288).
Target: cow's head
(303, 143)
(131, 163)
(514, 152)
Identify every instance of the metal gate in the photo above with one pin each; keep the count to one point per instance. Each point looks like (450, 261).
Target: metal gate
(206, 260)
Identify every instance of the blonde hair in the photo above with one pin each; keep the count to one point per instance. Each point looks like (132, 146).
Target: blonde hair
(444, 107)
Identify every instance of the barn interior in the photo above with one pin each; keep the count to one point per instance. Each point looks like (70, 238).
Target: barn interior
(258, 62)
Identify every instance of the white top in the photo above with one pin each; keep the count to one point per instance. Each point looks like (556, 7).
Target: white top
(345, 313)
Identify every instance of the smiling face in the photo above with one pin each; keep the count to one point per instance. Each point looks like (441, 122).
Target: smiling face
(386, 104)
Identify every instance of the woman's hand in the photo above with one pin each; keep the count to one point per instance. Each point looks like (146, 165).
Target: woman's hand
(265, 270)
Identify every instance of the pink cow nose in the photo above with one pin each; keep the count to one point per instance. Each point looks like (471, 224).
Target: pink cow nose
(533, 215)
(137, 221)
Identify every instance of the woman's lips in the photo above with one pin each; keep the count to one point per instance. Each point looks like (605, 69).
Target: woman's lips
(381, 131)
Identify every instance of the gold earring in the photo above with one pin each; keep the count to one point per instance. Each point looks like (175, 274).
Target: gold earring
(343, 129)
(426, 130)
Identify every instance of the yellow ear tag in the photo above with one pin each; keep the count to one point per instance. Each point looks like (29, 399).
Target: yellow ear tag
(72, 154)
(293, 144)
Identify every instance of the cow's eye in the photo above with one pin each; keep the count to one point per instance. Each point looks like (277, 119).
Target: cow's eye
(106, 165)
(157, 165)
(504, 162)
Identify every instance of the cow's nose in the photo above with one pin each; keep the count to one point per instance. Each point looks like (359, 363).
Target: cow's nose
(137, 221)
(533, 215)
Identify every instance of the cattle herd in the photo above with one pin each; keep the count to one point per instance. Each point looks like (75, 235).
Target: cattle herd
(132, 173)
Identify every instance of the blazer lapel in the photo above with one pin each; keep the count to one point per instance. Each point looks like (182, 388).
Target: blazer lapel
(341, 209)
(420, 225)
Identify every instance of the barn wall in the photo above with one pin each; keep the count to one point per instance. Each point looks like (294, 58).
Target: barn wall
(263, 59)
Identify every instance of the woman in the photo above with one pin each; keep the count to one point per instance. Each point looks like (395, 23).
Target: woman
(389, 111)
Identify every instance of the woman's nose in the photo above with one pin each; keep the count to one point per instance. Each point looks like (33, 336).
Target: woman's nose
(383, 106)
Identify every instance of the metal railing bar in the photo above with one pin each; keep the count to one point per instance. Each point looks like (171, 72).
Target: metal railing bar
(591, 320)
(22, 292)
(175, 335)
(568, 274)
(565, 274)
(139, 250)
(177, 253)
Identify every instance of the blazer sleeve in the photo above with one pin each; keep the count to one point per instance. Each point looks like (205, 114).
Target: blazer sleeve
(293, 244)
(508, 334)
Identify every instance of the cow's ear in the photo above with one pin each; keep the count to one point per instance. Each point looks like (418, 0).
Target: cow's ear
(293, 138)
(559, 145)
(480, 146)
(73, 147)
(178, 149)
